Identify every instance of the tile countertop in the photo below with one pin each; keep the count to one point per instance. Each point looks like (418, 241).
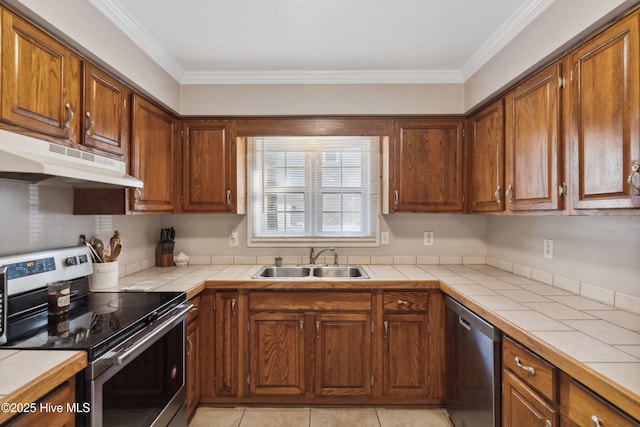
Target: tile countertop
(26, 376)
(595, 343)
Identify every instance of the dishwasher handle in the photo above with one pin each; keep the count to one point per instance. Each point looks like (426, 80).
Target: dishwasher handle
(464, 322)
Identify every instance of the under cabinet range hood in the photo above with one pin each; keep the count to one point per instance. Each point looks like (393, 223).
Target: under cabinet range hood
(24, 158)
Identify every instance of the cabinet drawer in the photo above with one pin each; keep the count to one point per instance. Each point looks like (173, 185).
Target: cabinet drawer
(405, 301)
(310, 301)
(584, 405)
(530, 368)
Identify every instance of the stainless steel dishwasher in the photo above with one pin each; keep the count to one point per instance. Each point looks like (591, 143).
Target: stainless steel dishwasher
(473, 368)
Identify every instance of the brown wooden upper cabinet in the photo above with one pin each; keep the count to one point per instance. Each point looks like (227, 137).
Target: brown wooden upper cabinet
(40, 80)
(209, 166)
(486, 186)
(426, 166)
(534, 161)
(152, 157)
(604, 127)
(105, 118)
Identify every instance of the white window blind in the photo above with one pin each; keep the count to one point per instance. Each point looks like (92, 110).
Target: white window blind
(304, 190)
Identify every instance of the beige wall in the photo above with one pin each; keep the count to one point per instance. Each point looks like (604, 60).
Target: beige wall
(563, 21)
(601, 251)
(322, 99)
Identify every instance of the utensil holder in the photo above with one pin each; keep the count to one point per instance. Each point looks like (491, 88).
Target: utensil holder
(105, 275)
(163, 258)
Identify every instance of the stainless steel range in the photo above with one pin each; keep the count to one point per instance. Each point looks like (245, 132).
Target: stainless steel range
(134, 340)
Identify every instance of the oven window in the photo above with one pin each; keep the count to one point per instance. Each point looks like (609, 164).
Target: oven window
(137, 394)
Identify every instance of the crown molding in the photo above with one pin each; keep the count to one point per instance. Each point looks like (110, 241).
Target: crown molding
(114, 11)
(526, 14)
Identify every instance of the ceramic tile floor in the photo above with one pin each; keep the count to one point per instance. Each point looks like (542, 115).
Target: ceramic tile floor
(319, 417)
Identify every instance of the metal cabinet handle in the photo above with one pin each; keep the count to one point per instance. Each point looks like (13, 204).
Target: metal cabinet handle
(301, 322)
(233, 306)
(396, 197)
(386, 329)
(137, 194)
(562, 190)
(635, 190)
(497, 195)
(317, 329)
(229, 197)
(88, 132)
(190, 346)
(547, 423)
(405, 303)
(67, 124)
(509, 194)
(596, 421)
(193, 309)
(529, 369)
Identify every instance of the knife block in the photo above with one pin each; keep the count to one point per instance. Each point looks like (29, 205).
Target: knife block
(163, 259)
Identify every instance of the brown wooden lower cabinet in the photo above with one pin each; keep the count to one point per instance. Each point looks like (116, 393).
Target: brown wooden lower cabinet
(306, 347)
(343, 354)
(523, 407)
(62, 396)
(192, 356)
(537, 394)
(277, 359)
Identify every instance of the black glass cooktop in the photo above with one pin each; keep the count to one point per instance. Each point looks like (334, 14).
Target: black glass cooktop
(95, 322)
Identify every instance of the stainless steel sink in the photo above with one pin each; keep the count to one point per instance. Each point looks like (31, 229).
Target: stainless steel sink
(284, 271)
(340, 271)
(311, 271)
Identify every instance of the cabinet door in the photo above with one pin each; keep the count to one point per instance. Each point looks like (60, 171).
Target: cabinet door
(62, 396)
(192, 369)
(522, 407)
(605, 93)
(426, 172)
(226, 349)
(534, 156)
(105, 112)
(487, 160)
(208, 155)
(277, 351)
(40, 80)
(152, 157)
(343, 354)
(405, 355)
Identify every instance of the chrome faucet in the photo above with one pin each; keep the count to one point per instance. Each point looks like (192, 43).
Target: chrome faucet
(313, 257)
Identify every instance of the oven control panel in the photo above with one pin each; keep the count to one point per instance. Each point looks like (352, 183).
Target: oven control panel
(31, 271)
(31, 267)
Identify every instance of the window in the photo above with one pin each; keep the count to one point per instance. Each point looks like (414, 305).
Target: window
(304, 190)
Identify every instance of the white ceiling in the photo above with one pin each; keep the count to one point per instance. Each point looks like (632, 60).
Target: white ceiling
(321, 41)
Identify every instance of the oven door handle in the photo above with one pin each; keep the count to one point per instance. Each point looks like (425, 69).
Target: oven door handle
(167, 325)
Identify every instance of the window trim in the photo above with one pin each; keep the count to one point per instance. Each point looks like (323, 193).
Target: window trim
(373, 218)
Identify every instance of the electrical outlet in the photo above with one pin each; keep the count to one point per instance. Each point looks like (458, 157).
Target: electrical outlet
(428, 238)
(384, 237)
(233, 238)
(548, 249)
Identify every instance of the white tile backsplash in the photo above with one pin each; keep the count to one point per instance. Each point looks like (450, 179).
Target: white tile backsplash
(566, 284)
(597, 293)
